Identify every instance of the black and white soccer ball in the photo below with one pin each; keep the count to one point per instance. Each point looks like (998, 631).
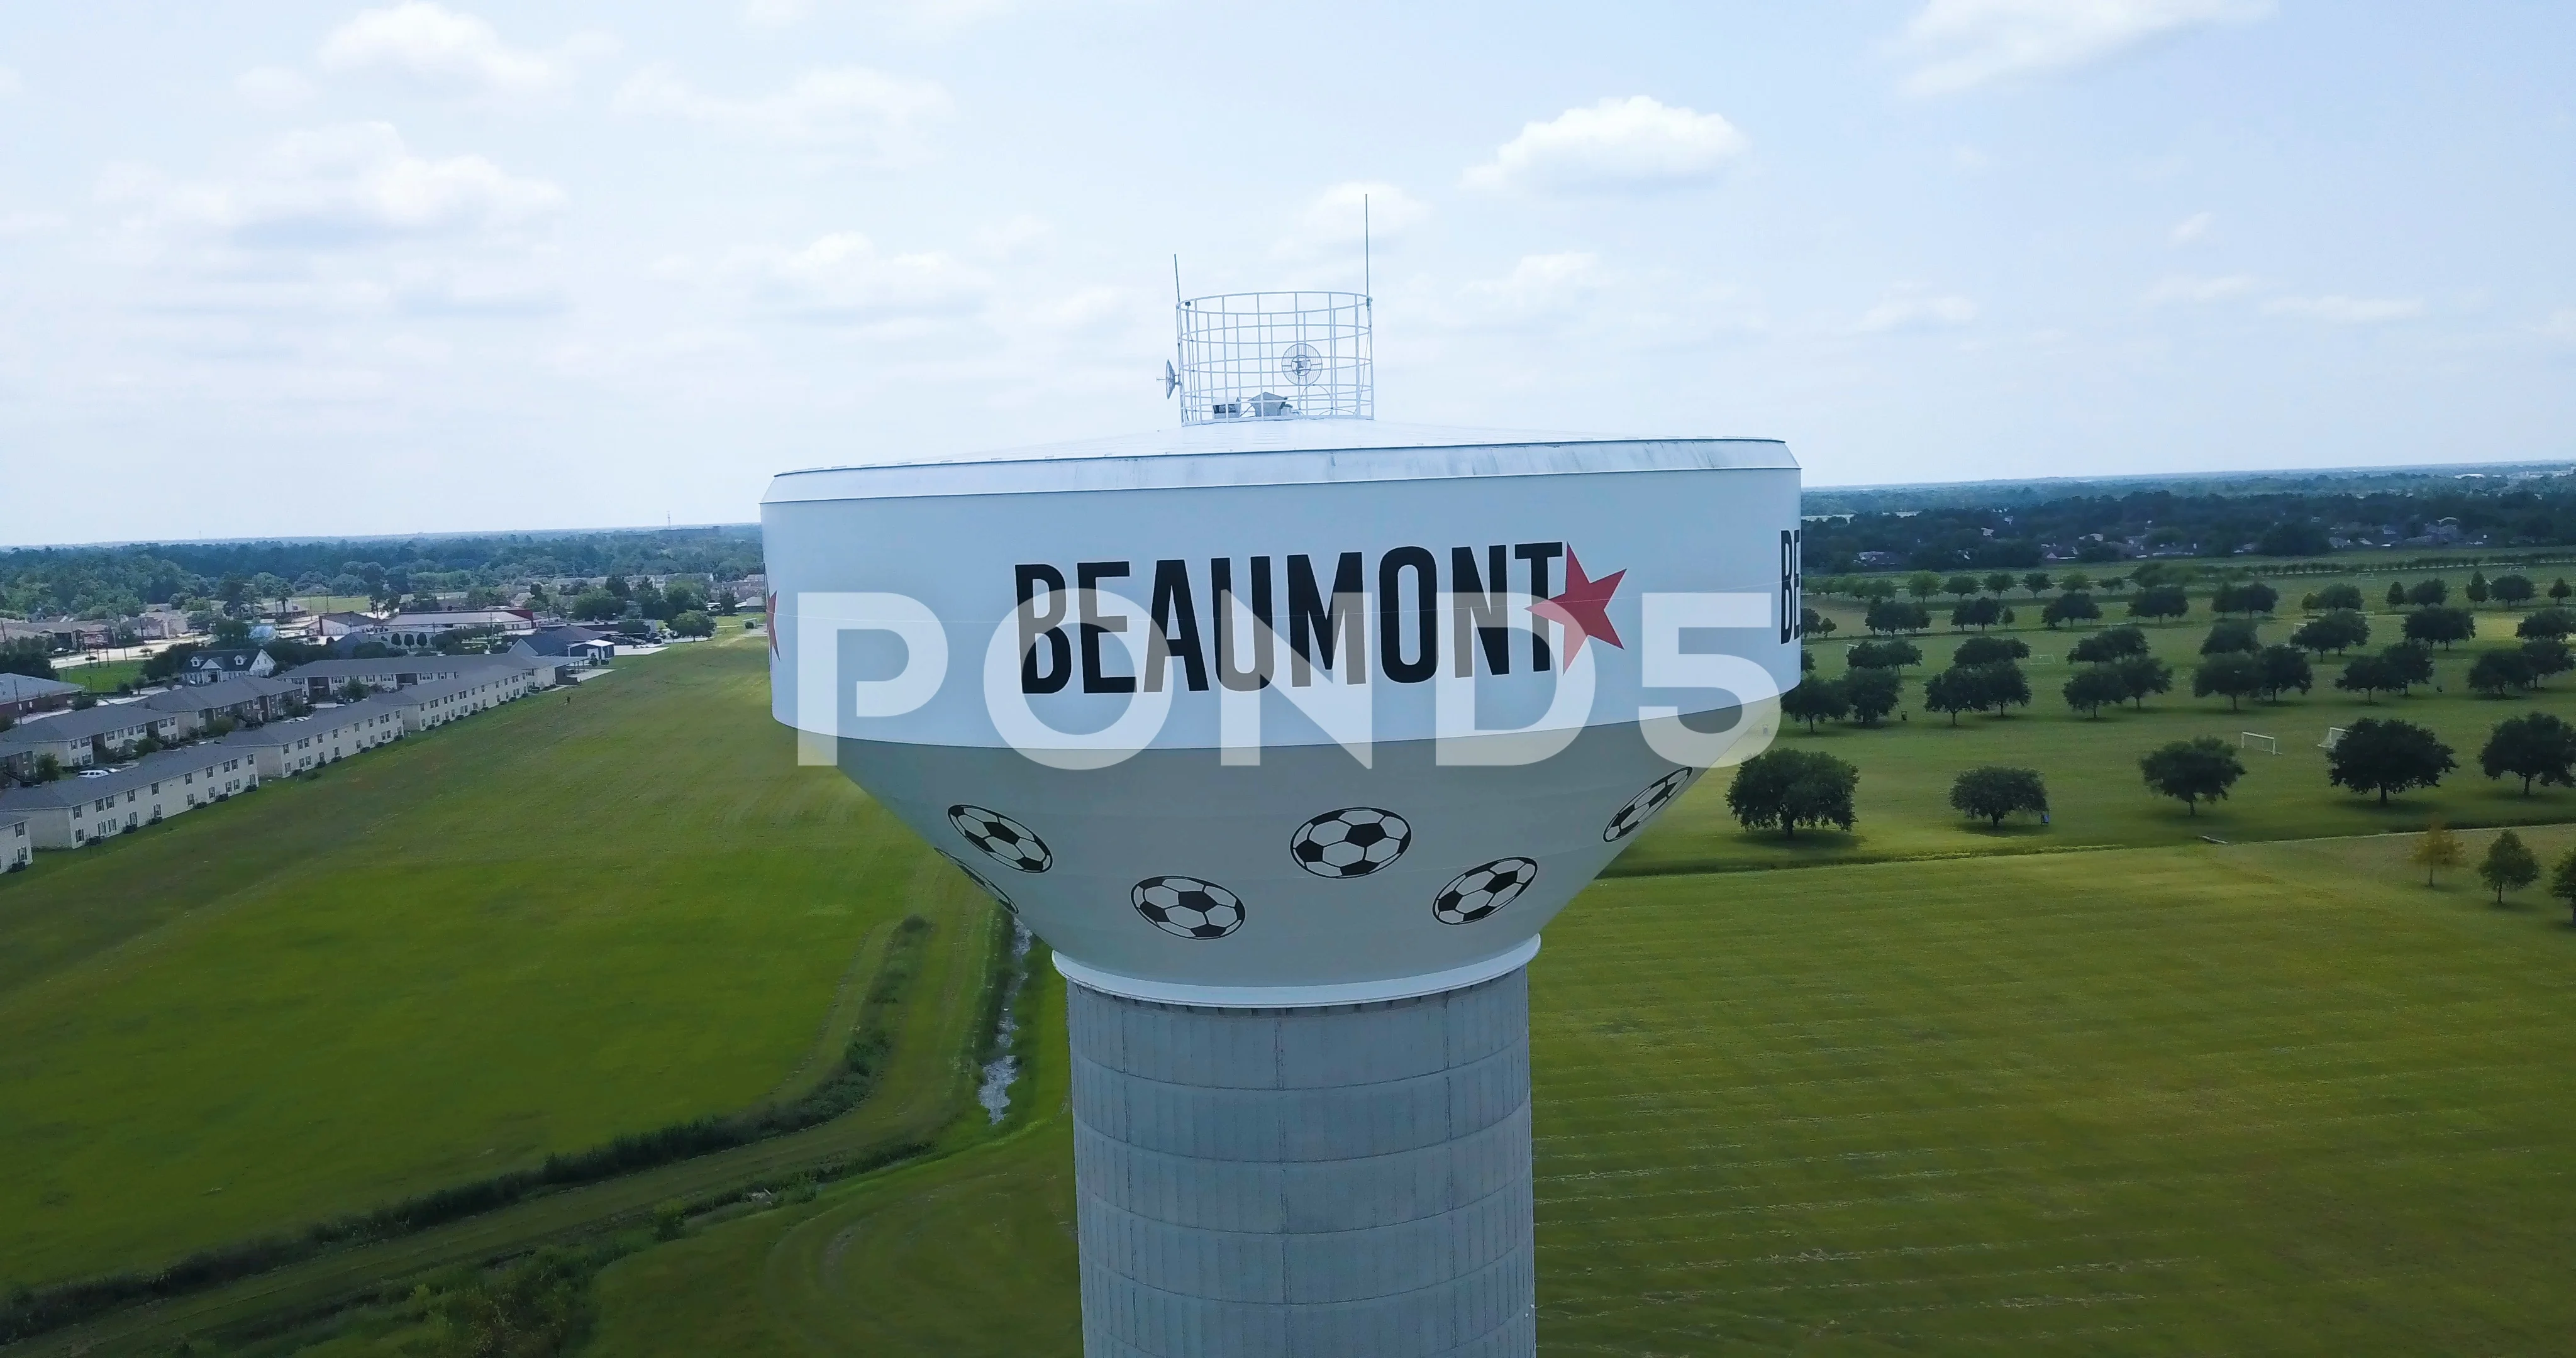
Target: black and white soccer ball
(1000, 897)
(1002, 839)
(1641, 808)
(1482, 890)
(1352, 842)
(1188, 907)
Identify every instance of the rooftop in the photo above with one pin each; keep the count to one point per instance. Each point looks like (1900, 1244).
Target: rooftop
(19, 688)
(104, 719)
(70, 790)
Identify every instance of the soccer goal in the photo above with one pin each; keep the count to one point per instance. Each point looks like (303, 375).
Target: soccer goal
(2249, 739)
(2334, 737)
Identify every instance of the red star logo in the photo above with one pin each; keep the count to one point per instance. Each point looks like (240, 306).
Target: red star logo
(771, 608)
(1583, 608)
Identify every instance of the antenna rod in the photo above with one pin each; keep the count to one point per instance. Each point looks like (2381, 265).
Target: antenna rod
(1366, 281)
(1176, 280)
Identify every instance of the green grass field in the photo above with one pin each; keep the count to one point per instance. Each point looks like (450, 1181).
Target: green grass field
(528, 932)
(2273, 1098)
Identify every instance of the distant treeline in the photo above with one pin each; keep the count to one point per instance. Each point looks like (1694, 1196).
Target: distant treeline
(2018, 530)
(120, 581)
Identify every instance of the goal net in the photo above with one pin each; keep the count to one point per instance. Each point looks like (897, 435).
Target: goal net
(2334, 737)
(2248, 739)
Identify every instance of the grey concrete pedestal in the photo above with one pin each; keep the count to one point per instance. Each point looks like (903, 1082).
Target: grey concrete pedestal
(1343, 1182)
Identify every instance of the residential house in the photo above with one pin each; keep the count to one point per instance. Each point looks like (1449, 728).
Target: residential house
(94, 735)
(69, 813)
(424, 629)
(580, 645)
(17, 847)
(425, 706)
(330, 734)
(364, 626)
(248, 699)
(21, 694)
(205, 667)
(324, 678)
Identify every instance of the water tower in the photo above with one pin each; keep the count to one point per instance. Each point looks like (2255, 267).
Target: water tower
(1289, 730)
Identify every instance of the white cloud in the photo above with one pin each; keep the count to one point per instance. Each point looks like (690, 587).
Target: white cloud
(1331, 223)
(2340, 310)
(273, 88)
(1962, 44)
(2192, 288)
(2561, 324)
(1630, 143)
(337, 187)
(2192, 228)
(1539, 286)
(20, 225)
(438, 46)
(843, 106)
(1913, 308)
(845, 277)
(10, 83)
(775, 13)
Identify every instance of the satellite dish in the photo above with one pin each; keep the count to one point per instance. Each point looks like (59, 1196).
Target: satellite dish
(1301, 364)
(1171, 380)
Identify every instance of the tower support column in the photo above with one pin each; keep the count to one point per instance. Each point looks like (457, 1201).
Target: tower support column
(1347, 1180)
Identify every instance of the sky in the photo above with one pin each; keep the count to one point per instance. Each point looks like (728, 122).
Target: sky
(309, 269)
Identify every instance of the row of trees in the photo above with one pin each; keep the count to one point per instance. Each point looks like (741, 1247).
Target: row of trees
(2507, 866)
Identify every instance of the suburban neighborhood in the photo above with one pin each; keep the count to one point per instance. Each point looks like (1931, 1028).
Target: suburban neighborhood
(214, 721)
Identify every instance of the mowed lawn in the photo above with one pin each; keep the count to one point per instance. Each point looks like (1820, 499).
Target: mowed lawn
(2274, 1098)
(533, 930)
(2091, 765)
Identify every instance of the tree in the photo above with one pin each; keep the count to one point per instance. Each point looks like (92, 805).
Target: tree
(2546, 658)
(1790, 788)
(1979, 613)
(1814, 624)
(2115, 583)
(29, 656)
(231, 632)
(1988, 650)
(2369, 676)
(2334, 630)
(2234, 674)
(2385, 756)
(2073, 606)
(1997, 582)
(1895, 615)
(1961, 585)
(2143, 676)
(2477, 590)
(2288, 538)
(596, 605)
(2231, 634)
(2340, 596)
(2096, 688)
(2535, 747)
(694, 623)
(1814, 701)
(2508, 865)
(2431, 593)
(2036, 582)
(2074, 581)
(2248, 597)
(1953, 691)
(1872, 693)
(1922, 585)
(2437, 849)
(2160, 601)
(1994, 792)
(2410, 663)
(2562, 884)
(2552, 623)
(2498, 673)
(1882, 655)
(2396, 595)
(1997, 684)
(2558, 590)
(2192, 771)
(2433, 622)
(2111, 644)
(2284, 668)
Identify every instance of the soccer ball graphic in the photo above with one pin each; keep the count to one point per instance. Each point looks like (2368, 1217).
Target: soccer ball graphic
(1352, 842)
(999, 897)
(1642, 807)
(1188, 907)
(1002, 839)
(1482, 890)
